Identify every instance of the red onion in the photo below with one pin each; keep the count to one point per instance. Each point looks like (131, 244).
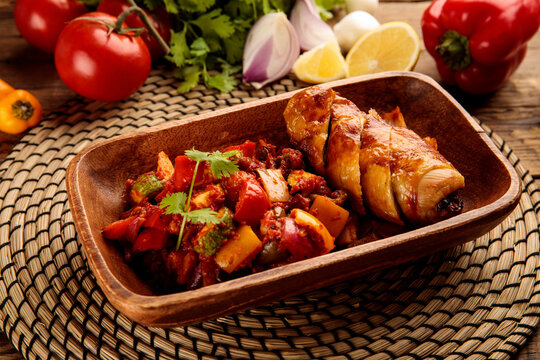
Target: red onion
(270, 51)
(309, 26)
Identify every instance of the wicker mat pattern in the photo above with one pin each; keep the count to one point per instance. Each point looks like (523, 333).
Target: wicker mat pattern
(478, 300)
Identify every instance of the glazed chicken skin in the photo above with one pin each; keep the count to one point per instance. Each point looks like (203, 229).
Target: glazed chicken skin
(308, 114)
(382, 165)
(343, 150)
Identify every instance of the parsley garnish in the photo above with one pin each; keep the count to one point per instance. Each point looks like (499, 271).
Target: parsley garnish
(178, 203)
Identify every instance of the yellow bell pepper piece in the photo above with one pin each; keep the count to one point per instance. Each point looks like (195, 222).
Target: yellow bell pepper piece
(333, 216)
(238, 250)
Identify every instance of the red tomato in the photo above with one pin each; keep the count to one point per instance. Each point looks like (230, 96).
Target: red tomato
(40, 21)
(97, 65)
(160, 20)
(125, 229)
(247, 148)
(150, 239)
(252, 203)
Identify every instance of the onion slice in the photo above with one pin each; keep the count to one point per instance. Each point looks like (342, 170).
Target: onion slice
(270, 51)
(309, 26)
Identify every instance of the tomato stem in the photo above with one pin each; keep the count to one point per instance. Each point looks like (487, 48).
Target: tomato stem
(144, 17)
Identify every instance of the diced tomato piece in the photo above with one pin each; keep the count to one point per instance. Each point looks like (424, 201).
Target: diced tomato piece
(124, 229)
(155, 218)
(182, 263)
(247, 148)
(184, 168)
(252, 203)
(150, 239)
(234, 183)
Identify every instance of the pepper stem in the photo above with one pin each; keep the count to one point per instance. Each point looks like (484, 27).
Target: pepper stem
(454, 49)
(146, 21)
(22, 109)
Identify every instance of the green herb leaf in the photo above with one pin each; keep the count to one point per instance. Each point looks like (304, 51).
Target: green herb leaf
(179, 49)
(194, 6)
(171, 6)
(214, 23)
(220, 164)
(152, 4)
(203, 216)
(190, 75)
(174, 203)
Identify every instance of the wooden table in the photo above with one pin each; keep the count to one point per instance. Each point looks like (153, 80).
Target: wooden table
(513, 111)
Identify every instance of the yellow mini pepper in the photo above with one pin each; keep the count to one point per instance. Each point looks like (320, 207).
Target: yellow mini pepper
(19, 109)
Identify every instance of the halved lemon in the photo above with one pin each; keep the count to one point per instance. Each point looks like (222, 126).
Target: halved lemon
(321, 64)
(392, 46)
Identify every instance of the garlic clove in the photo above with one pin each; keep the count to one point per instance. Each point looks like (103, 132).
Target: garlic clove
(361, 5)
(311, 29)
(270, 51)
(352, 26)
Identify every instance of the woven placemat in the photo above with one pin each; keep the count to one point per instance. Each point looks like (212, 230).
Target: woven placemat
(478, 300)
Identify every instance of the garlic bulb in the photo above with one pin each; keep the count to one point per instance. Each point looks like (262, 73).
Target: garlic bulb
(352, 27)
(270, 51)
(309, 26)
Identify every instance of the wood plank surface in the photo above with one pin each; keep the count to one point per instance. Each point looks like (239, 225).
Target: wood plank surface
(513, 111)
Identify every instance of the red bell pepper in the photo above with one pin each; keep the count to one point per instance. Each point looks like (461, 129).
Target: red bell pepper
(150, 239)
(247, 148)
(252, 203)
(124, 229)
(156, 218)
(478, 44)
(184, 168)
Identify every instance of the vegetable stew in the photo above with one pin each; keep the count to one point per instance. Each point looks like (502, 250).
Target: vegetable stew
(204, 218)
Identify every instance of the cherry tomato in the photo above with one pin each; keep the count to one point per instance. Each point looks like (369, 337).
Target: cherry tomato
(98, 65)
(159, 19)
(40, 21)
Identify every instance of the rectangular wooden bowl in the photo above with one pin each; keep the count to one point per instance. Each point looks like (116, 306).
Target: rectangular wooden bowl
(96, 178)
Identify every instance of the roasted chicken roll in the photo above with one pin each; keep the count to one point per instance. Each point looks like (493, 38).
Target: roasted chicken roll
(421, 176)
(307, 118)
(375, 168)
(343, 150)
(382, 165)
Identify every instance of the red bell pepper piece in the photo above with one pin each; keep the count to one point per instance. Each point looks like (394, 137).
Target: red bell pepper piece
(478, 44)
(252, 203)
(150, 239)
(124, 229)
(247, 148)
(184, 168)
(155, 218)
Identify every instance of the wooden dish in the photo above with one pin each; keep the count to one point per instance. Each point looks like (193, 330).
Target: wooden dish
(96, 178)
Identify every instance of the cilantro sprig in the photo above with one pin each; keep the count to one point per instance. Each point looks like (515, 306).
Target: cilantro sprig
(221, 166)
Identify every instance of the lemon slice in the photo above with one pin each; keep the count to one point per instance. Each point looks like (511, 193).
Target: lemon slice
(321, 64)
(392, 46)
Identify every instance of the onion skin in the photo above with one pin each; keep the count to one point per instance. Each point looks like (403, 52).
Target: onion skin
(270, 51)
(311, 29)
